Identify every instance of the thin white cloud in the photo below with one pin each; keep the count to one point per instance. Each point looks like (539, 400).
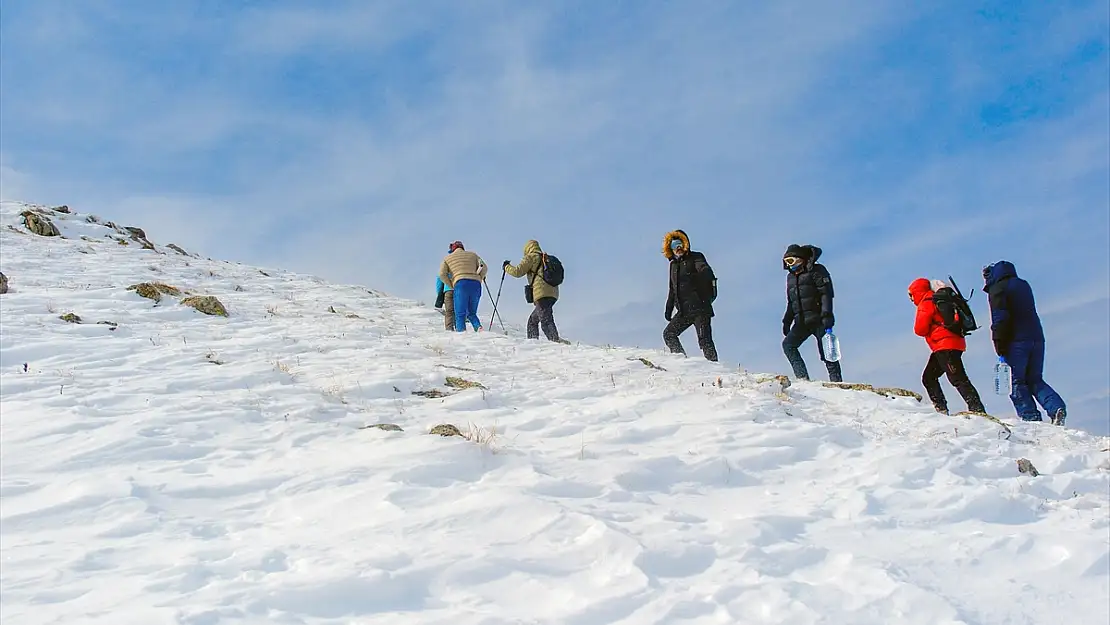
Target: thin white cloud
(344, 26)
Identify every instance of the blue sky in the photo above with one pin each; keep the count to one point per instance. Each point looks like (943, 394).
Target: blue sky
(358, 138)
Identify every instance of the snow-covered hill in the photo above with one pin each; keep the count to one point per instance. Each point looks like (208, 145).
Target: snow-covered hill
(177, 467)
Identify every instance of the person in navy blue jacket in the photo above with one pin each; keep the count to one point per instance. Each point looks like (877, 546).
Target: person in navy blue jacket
(1019, 339)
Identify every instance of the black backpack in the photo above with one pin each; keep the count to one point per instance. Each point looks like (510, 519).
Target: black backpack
(955, 311)
(552, 269)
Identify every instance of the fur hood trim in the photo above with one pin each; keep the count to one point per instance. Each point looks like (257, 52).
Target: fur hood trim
(671, 236)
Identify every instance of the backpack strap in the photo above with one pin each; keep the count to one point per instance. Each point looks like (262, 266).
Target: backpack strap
(539, 268)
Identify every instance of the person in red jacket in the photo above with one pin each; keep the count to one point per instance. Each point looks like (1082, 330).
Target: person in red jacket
(948, 348)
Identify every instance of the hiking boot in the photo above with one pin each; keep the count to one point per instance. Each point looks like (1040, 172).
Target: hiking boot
(941, 409)
(1059, 418)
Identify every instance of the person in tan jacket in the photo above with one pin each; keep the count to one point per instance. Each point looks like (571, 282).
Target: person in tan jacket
(536, 292)
(464, 272)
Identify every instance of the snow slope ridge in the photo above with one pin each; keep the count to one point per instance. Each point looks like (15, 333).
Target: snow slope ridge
(203, 470)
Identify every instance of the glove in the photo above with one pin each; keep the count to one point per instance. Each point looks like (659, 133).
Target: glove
(668, 315)
(999, 348)
(829, 322)
(505, 264)
(786, 328)
(439, 300)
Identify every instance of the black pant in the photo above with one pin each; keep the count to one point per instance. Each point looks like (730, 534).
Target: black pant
(543, 315)
(702, 325)
(800, 334)
(950, 362)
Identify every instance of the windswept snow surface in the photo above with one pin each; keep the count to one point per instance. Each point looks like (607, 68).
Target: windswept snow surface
(141, 483)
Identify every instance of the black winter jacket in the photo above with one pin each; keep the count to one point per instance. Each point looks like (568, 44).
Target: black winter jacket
(809, 295)
(693, 287)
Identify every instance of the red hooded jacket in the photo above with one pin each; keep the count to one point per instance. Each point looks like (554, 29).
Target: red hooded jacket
(928, 322)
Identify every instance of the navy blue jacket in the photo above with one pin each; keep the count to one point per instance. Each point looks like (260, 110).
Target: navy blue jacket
(1013, 310)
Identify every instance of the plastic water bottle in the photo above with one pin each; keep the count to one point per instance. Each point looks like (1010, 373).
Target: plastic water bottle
(1003, 378)
(831, 345)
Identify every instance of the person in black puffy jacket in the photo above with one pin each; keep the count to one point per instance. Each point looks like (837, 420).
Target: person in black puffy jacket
(692, 289)
(809, 307)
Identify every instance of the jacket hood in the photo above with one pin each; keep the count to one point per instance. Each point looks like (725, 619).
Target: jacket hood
(810, 252)
(919, 289)
(998, 271)
(532, 247)
(671, 236)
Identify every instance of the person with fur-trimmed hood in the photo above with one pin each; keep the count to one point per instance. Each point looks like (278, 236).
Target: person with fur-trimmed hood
(809, 307)
(947, 349)
(537, 292)
(692, 290)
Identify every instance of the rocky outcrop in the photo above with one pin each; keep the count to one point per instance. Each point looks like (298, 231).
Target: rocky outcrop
(206, 304)
(3, 283)
(434, 393)
(388, 427)
(176, 248)
(445, 429)
(154, 290)
(884, 391)
(460, 383)
(1026, 467)
(40, 224)
(139, 236)
(647, 363)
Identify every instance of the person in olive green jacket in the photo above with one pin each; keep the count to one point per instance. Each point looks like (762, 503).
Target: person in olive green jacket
(536, 292)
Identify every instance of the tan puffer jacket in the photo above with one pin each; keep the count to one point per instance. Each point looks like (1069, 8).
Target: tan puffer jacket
(462, 265)
(532, 266)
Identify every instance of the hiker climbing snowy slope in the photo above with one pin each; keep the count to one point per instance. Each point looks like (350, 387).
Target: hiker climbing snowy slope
(537, 292)
(947, 349)
(445, 302)
(1019, 339)
(464, 271)
(691, 290)
(809, 308)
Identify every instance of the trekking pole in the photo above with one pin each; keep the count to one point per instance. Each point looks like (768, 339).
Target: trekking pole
(495, 314)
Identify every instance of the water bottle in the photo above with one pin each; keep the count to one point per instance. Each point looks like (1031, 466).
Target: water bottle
(831, 345)
(1003, 378)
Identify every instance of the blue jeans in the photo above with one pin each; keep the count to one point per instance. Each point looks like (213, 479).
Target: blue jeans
(467, 295)
(1026, 360)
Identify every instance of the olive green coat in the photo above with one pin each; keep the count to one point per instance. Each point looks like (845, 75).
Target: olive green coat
(532, 266)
